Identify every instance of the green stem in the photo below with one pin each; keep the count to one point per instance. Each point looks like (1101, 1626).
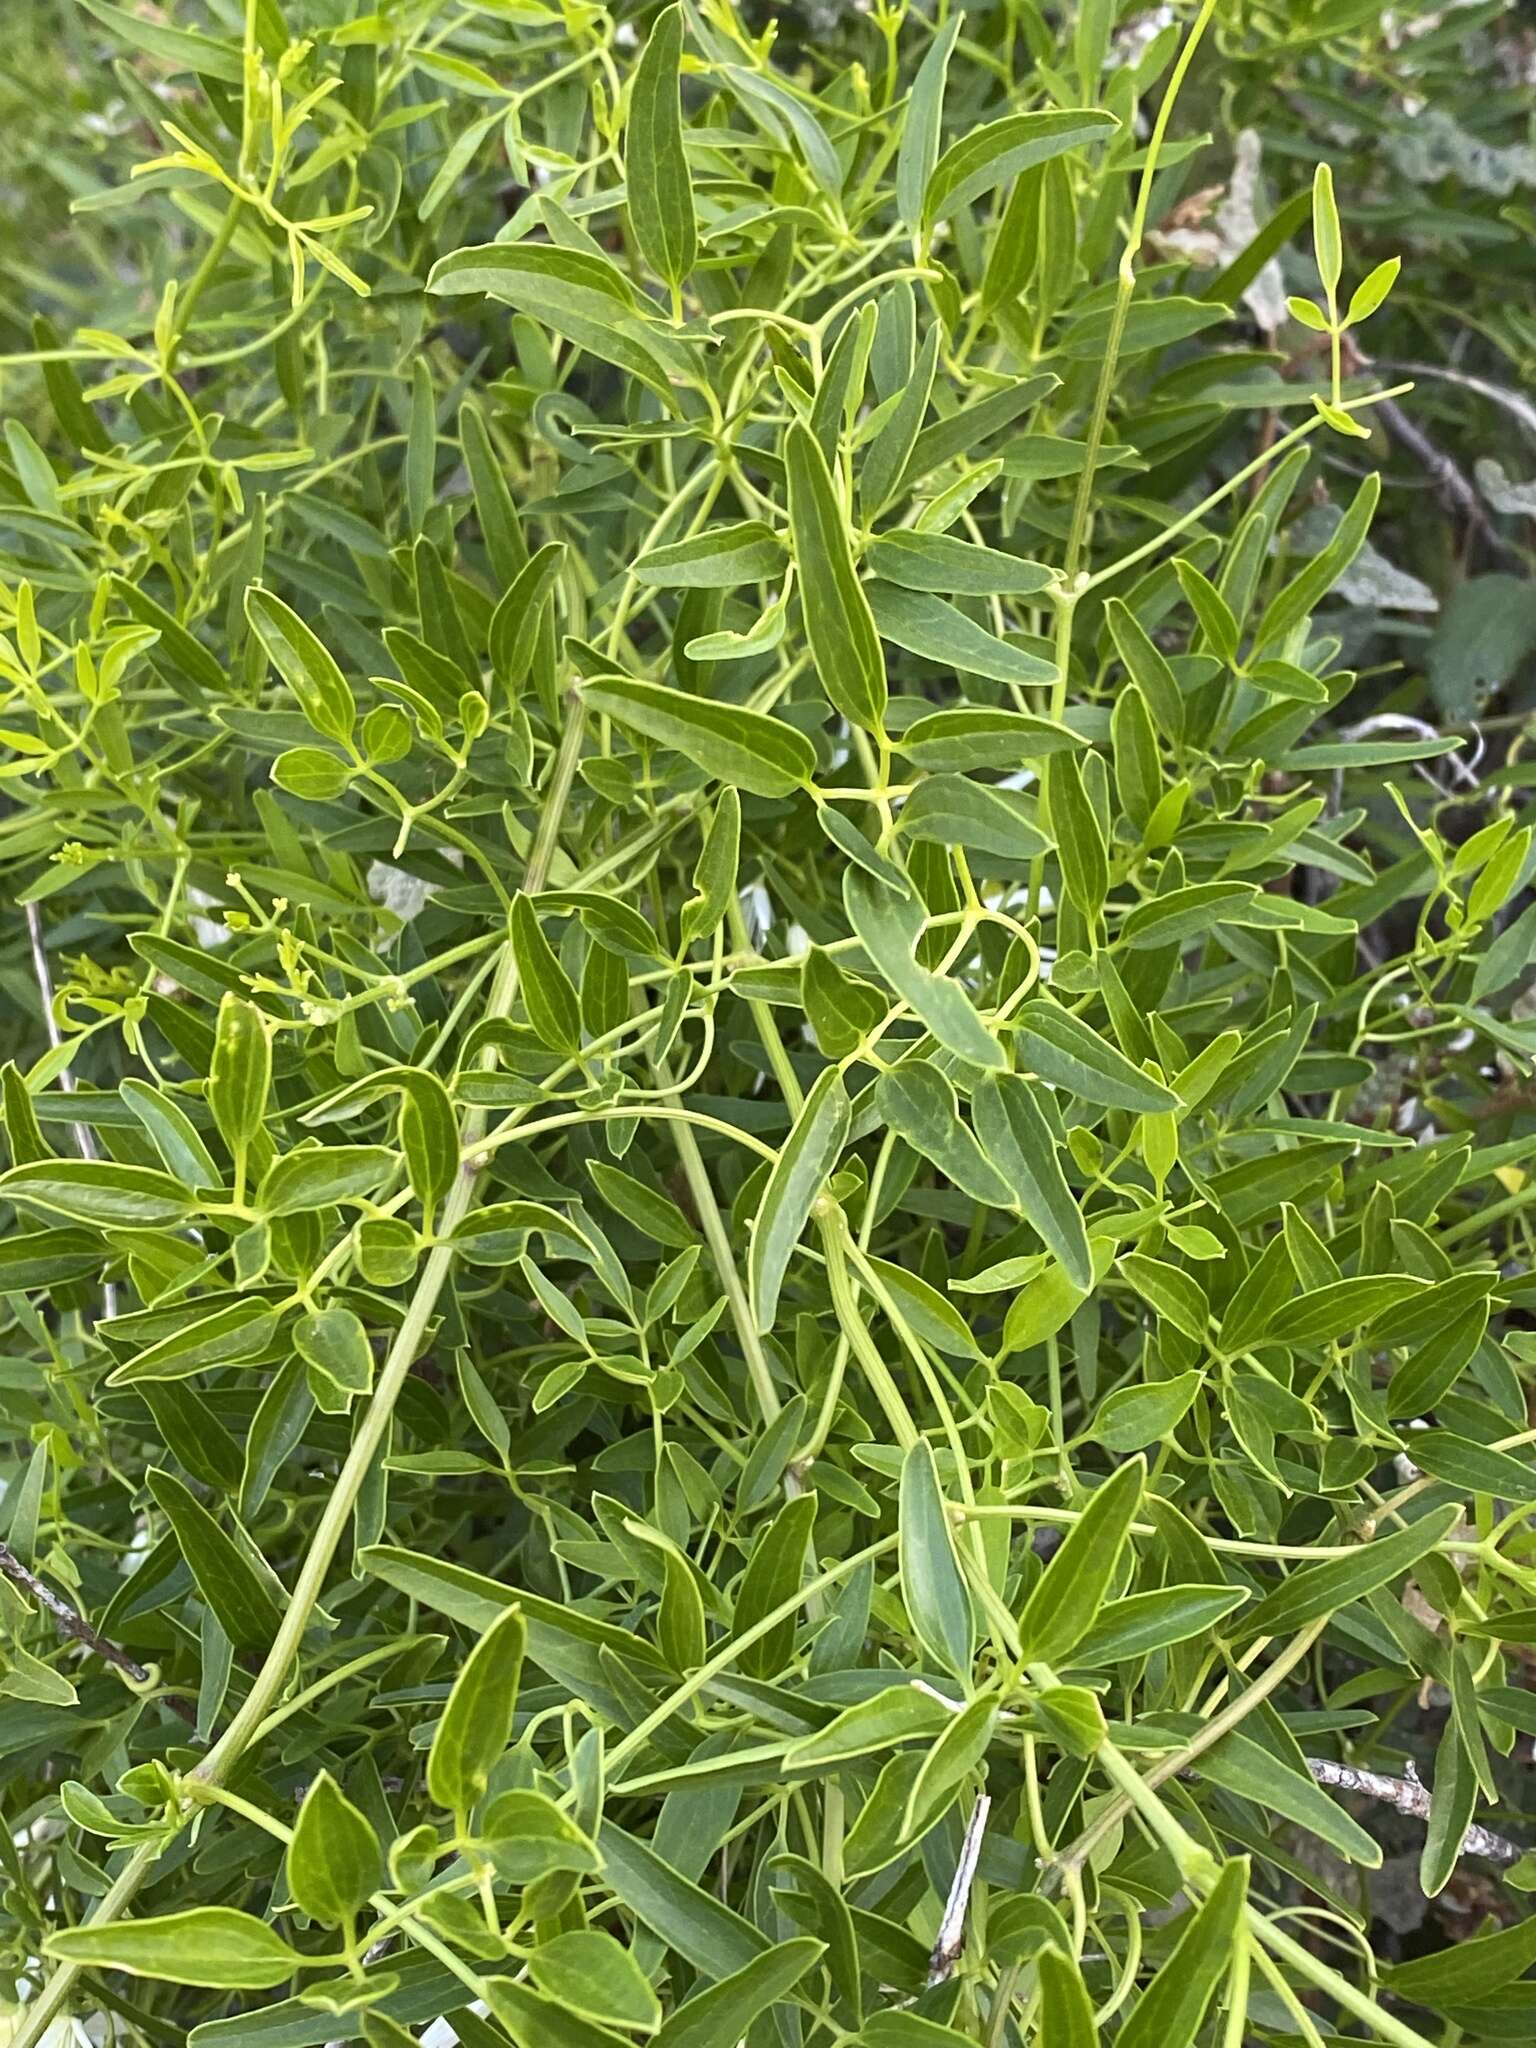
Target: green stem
(717, 1237)
(1125, 289)
(212, 256)
(1337, 1987)
(834, 1230)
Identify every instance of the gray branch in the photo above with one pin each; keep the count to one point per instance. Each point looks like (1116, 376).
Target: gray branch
(1410, 1795)
(65, 1619)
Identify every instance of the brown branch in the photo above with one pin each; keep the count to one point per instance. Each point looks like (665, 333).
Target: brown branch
(74, 1625)
(1410, 1795)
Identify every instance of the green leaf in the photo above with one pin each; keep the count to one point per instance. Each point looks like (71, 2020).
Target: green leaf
(545, 987)
(1070, 1054)
(890, 451)
(589, 1973)
(838, 623)
(889, 926)
(709, 1935)
(927, 625)
(1453, 1801)
(520, 617)
(1147, 667)
(736, 746)
(773, 1574)
(714, 878)
(1372, 290)
(1246, 1767)
(1066, 2010)
(1017, 1139)
(178, 49)
(241, 1075)
(1326, 1587)
(1169, 2012)
(899, 1713)
(1295, 602)
(799, 1173)
(1177, 1296)
(1468, 1972)
(941, 562)
(929, 1313)
(207, 1946)
(576, 293)
(1329, 1313)
(314, 1178)
(726, 2010)
(307, 667)
(333, 1340)
(1065, 1601)
(1327, 242)
(920, 131)
(657, 186)
(998, 824)
(240, 1595)
(240, 1329)
(533, 2021)
(842, 1009)
(937, 1601)
(334, 1862)
(720, 558)
(989, 156)
(1473, 1467)
(429, 1135)
(1144, 1622)
(645, 1207)
(311, 773)
(983, 739)
(477, 1722)
(98, 1191)
(1080, 845)
(1131, 1418)
(919, 1103)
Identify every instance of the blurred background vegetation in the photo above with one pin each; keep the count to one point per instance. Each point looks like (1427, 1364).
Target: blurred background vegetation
(1428, 115)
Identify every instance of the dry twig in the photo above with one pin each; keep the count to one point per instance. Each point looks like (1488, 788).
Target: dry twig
(1410, 1795)
(74, 1625)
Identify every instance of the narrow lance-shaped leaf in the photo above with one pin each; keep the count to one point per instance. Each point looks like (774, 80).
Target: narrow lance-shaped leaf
(208, 1946)
(919, 150)
(736, 746)
(1333, 1583)
(889, 926)
(1066, 2010)
(838, 622)
(991, 155)
(931, 1582)
(799, 1173)
(546, 988)
(1016, 1137)
(658, 189)
(305, 665)
(477, 1721)
(1066, 1598)
(1170, 2010)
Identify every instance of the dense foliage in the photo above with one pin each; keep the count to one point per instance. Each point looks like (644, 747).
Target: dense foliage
(767, 1271)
